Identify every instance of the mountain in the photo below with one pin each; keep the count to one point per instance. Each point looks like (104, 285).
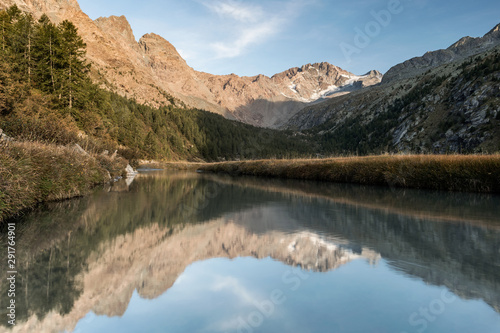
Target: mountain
(445, 101)
(151, 70)
(429, 104)
(271, 101)
(465, 47)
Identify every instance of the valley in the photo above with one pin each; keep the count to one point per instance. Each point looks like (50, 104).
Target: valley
(139, 193)
(141, 100)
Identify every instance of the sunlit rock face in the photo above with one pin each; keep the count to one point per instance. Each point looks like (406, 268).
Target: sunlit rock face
(151, 69)
(463, 48)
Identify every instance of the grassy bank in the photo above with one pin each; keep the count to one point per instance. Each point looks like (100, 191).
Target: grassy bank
(471, 173)
(185, 166)
(33, 172)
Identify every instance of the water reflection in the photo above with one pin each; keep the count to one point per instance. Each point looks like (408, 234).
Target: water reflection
(89, 256)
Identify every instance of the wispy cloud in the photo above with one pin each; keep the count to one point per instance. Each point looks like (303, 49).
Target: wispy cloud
(249, 25)
(235, 10)
(247, 37)
(245, 299)
(233, 285)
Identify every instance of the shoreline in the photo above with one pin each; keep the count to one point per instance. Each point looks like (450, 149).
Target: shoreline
(32, 173)
(461, 173)
(178, 165)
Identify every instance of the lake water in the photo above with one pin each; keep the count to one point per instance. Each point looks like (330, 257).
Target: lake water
(187, 252)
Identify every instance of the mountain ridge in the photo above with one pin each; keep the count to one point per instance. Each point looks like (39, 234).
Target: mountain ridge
(465, 47)
(151, 68)
(453, 107)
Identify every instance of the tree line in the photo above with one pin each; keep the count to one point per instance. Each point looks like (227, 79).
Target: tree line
(45, 56)
(47, 94)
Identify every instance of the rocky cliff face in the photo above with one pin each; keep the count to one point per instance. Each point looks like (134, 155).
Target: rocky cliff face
(451, 108)
(465, 47)
(271, 101)
(152, 71)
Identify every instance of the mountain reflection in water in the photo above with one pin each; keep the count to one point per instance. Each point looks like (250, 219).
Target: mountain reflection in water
(93, 254)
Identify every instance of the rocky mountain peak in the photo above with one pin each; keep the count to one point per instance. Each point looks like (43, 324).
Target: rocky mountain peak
(373, 73)
(117, 26)
(463, 48)
(495, 30)
(460, 42)
(151, 67)
(324, 68)
(155, 44)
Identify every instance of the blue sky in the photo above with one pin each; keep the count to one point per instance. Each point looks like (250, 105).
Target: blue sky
(266, 37)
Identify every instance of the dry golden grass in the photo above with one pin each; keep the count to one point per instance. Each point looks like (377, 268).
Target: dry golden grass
(32, 172)
(473, 173)
(187, 166)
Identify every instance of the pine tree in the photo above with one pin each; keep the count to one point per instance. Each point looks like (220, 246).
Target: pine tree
(5, 26)
(21, 37)
(74, 68)
(8, 18)
(47, 44)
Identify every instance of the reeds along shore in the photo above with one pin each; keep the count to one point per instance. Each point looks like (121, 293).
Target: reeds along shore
(468, 173)
(32, 172)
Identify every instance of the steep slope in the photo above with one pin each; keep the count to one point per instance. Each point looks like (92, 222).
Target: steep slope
(271, 101)
(465, 47)
(152, 71)
(451, 108)
(117, 63)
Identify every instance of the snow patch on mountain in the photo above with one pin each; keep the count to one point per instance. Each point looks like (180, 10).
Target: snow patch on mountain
(323, 93)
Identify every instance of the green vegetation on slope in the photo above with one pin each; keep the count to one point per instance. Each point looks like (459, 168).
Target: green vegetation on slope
(46, 95)
(452, 108)
(48, 103)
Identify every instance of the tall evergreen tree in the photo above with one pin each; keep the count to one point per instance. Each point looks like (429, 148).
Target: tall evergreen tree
(9, 17)
(21, 37)
(46, 48)
(5, 26)
(74, 67)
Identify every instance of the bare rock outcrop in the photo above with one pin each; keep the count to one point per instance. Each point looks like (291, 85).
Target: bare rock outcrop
(465, 47)
(152, 71)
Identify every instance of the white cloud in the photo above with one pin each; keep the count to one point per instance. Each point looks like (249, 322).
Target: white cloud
(229, 325)
(248, 36)
(232, 284)
(246, 299)
(235, 10)
(186, 55)
(249, 25)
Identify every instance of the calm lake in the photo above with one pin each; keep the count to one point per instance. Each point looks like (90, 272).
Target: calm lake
(187, 252)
